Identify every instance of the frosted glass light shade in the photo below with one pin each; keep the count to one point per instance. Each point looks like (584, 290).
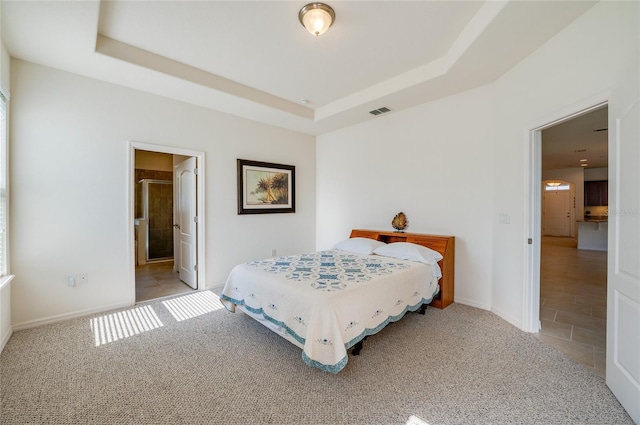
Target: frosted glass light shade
(316, 17)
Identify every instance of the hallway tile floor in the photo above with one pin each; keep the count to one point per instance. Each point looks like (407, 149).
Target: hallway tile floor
(573, 301)
(157, 280)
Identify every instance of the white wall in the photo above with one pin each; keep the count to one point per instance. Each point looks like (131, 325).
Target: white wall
(70, 145)
(594, 174)
(455, 164)
(428, 162)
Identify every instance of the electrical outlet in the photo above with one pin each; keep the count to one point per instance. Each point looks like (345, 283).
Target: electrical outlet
(273, 252)
(83, 278)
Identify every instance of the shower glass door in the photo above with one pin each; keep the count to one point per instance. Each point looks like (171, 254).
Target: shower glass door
(157, 196)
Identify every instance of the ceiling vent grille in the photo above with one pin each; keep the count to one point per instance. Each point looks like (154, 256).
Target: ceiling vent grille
(379, 111)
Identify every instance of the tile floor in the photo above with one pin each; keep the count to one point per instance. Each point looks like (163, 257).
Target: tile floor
(157, 280)
(573, 301)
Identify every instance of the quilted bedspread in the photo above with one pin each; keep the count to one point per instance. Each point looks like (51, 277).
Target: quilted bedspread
(325, 302)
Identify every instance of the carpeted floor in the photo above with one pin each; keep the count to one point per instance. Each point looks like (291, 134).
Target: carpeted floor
(460, 365)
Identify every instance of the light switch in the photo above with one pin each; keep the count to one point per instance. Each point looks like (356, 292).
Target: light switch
(503, 218)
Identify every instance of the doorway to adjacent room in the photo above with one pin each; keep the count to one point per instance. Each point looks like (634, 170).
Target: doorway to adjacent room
(573, 282)
(167, 225)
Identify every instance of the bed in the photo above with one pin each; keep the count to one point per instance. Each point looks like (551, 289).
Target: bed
(327, 302)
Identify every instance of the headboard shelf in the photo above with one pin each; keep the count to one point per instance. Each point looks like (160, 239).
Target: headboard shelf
(445, 245)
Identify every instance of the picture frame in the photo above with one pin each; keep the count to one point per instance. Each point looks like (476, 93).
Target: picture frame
(265, 187)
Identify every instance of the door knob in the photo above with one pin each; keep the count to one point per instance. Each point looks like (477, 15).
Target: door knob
(177, 226)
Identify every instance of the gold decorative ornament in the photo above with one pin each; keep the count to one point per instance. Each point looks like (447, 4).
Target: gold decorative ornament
(400, 222)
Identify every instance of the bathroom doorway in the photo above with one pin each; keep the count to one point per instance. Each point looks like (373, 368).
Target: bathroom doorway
(156, 217)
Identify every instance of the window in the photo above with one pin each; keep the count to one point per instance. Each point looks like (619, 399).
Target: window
(3, 185)
(553, 187)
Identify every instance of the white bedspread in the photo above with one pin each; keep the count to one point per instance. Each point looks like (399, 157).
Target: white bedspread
(327, 301)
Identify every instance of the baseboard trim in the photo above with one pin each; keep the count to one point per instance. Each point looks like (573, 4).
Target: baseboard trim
(67, 316)
(515, 322)
(471, 303)
(497, 312)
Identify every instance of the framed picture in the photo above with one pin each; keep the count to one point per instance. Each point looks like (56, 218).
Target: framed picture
(265, 188)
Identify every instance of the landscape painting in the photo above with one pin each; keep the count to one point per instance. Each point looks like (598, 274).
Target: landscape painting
(265, 187)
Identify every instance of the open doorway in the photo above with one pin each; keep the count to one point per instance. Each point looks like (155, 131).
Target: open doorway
(166, 201)
(156, 223)
(573, 271)
(623, 247)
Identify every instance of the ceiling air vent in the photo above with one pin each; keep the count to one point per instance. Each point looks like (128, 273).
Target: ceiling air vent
(380, 111)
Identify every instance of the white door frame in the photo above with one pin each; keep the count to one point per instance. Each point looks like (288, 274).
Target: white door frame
(200, 194)
(533, 203)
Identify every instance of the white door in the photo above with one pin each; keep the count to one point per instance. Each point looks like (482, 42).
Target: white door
(186, 181)
(623, 261)
(556, 213)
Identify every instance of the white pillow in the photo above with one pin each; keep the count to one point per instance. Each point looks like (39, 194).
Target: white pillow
(409, 251)
(359, 245)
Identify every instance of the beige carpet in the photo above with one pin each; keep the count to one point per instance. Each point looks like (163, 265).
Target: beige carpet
(455, 366)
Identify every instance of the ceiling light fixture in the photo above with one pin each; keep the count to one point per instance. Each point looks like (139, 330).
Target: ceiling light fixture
(317, 17)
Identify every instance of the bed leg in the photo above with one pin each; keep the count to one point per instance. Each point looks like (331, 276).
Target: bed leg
(423, 309)
(357, 347)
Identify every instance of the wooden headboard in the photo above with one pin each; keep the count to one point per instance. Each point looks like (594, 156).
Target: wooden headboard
(445, 245)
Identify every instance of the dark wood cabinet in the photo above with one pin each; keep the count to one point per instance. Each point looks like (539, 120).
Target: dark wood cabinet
(596, 193)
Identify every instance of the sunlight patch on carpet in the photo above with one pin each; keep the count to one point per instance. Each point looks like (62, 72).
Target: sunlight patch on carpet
(414, 420)
(123, 324)
(193, 305)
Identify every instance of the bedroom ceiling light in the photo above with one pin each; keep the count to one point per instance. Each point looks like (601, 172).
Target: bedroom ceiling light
(317, 18)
